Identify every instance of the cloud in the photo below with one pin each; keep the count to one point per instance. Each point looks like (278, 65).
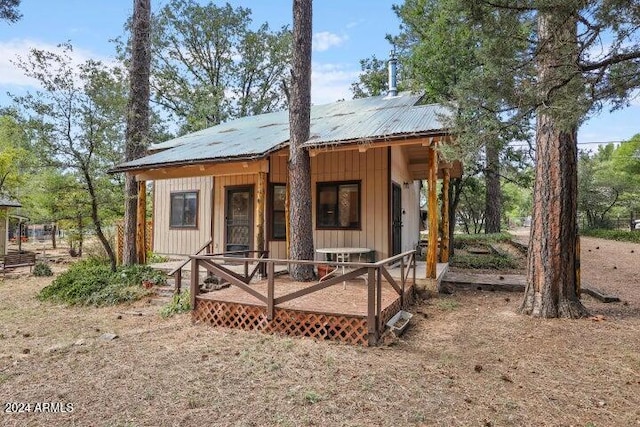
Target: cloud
(331, 82)
(11, 75)
(325, 40)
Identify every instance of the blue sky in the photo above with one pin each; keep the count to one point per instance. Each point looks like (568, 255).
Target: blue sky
(345, 31)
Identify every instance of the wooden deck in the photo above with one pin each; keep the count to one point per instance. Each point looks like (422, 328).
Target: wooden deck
(345, 307)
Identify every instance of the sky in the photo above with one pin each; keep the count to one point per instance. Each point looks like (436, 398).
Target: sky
(345, 31)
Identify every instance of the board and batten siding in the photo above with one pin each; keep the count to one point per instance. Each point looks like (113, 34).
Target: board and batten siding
(178, 241)
(4, 230)
(400, 175)
(371, 169)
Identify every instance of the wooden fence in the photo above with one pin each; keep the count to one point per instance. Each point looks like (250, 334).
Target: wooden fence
(120, 239)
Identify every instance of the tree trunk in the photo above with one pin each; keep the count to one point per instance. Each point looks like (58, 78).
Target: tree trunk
(137, 132)
(455, 189)
(54, 230)
(493, 195)
(299, 124)
(95, 217)
(553, 262)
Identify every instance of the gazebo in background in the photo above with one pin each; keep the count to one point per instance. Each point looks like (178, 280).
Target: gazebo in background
(5, 205)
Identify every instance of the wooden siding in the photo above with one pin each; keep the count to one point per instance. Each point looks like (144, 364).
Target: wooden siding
(181, 241)
(370, 168)
(401, 174)
(221, 183)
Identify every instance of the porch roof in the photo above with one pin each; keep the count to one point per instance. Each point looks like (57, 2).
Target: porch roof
(248, 138)
(5, 202)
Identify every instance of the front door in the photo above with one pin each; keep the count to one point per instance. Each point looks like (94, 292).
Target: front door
(396, 219)
(239, 219)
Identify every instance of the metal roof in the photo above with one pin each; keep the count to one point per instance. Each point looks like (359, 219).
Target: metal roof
(358, 120)
(5, 202)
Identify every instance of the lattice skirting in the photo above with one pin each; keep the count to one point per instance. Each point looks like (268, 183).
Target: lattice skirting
(349, 329)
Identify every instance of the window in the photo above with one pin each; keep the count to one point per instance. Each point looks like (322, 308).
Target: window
(338, 205)
(184, 210)
(278, 221)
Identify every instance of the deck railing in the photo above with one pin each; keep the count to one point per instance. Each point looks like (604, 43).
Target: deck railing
(373, 272)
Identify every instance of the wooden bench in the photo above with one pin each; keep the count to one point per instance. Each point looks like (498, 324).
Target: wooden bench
(14, 260)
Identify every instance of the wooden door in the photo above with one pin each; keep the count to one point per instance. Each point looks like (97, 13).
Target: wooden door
(396, 219)
(239, 219)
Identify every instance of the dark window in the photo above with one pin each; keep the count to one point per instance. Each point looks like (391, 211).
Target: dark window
(184, 210)
(338, 205)
(278, 221)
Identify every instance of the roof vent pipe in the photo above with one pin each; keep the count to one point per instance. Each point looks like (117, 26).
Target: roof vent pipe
(393, 71)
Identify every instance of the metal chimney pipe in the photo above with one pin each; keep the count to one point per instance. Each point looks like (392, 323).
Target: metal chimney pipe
(393, 71)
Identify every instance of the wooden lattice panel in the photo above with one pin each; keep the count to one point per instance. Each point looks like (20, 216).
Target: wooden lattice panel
(349, 329)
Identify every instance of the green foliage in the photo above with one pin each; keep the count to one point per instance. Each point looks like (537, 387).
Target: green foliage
(91, 282)
(42, 269)
(618, 235)
(154, 258)
(484, 262)
(209, 65)
(180, 303)
(15, 156)
(461, 241)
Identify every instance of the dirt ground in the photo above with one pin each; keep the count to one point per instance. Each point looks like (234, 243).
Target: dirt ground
(467, 360)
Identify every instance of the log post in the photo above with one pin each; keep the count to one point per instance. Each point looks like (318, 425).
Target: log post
(445, 243)
(141, 223)
(261, 198)
(432, 208)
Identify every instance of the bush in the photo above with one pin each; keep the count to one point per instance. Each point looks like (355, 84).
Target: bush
(91, 282)
(484, 262)
(154, 258)
(618, 235)
(180, 303)
(42, 269)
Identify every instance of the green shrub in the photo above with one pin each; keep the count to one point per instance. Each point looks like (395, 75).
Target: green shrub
(618, 235)
(42, 269)
(180, 303)
(484, 262)
(91, 282)
(154, 258)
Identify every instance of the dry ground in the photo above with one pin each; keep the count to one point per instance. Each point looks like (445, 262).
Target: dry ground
(468, 359)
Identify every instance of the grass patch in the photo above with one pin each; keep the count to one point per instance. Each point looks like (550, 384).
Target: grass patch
(461, 241)
(91, 282)
(447, 304)
(180, 303)
(484, 262)
(617, 235)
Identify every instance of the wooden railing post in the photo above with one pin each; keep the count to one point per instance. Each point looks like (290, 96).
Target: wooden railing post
(402, 282)
(177, 278)
(270, 289)
(372, 323)
(195, 288)
(379, 296)
(246, 265)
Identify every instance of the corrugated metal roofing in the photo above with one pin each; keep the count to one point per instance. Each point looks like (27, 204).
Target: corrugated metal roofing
(365, 119)
(4, 202)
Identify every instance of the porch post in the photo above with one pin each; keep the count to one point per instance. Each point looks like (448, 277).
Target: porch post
(432, 211)
(444, 248)
(261, 196)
